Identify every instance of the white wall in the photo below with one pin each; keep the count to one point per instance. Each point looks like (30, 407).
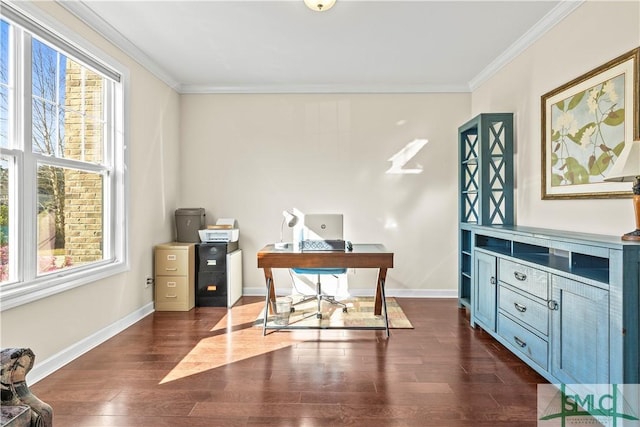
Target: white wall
(55, 324)
(251, 156)
(595, 33)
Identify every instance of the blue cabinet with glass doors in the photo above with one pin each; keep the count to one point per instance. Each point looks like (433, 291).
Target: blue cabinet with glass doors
(485, 145)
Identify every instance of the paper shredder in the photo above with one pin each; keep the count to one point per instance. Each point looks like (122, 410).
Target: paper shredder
(188, 222)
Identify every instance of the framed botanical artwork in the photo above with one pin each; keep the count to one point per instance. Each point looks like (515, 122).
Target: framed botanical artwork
(585, 124)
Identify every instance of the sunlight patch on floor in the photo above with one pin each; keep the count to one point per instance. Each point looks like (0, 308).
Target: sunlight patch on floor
(236, 328)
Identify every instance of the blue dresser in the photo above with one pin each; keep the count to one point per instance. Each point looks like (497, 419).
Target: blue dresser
(566, 303)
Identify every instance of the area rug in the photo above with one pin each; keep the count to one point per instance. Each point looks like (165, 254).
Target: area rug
(359, 315)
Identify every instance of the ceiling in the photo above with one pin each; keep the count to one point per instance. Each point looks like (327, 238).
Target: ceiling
(357, 46)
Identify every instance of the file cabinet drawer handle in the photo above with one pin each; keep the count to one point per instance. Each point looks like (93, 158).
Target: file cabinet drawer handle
(521, 308)
(520, 276)
(171, 296)
(520, 342)
(171, 284)
(171, 268)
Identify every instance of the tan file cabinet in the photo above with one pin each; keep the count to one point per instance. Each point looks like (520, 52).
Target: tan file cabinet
(174, 276)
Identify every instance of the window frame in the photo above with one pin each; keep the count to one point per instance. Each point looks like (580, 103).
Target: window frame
(28, 286)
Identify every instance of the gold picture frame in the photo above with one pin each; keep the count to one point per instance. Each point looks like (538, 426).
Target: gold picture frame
(585, 124)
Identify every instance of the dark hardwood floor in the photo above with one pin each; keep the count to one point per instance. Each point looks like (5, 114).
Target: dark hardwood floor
(210, 367)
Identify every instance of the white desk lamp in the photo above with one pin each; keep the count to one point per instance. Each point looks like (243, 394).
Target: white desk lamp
(627, 169)
(289, 219)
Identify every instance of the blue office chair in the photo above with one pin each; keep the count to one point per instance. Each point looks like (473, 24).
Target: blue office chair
(319, 295)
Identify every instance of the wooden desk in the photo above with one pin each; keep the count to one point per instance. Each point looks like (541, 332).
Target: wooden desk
(362, 256)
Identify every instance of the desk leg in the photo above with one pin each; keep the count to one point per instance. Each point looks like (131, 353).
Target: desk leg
(381, 299)
(382, 276)
(269, 299)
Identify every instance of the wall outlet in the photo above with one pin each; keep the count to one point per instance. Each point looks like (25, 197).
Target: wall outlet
(148, 282)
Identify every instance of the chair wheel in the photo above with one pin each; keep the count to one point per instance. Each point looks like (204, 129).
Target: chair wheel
(293, 309)
(319, 316)
(344, 309)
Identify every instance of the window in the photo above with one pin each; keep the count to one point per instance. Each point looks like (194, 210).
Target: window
(62, 162)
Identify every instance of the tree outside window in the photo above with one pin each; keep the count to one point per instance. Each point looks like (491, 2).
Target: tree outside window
(4, 138)
(67, 123)
(63, 174)
(67, 133)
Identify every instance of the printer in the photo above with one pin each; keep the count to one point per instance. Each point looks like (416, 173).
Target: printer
(225, 230)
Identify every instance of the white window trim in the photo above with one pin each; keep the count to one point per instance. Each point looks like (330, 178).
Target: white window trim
(16, 294)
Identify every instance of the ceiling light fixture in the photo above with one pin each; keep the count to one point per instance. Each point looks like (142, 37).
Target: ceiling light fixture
(319, 5)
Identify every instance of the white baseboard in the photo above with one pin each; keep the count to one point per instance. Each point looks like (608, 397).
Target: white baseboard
(400, 293)
(57, 361)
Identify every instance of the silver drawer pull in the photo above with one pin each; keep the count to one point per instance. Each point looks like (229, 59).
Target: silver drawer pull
(521, 308)
(553, 305)
(520, 342)
(520, 276)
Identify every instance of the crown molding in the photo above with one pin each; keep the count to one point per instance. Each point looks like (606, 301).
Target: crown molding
(557, 14)
(346, 88)
(85, 14)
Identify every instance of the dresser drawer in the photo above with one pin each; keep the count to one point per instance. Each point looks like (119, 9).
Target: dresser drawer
(172, 262)
(525, 309)
(531, 280)
(172, 289)
(523, 341)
